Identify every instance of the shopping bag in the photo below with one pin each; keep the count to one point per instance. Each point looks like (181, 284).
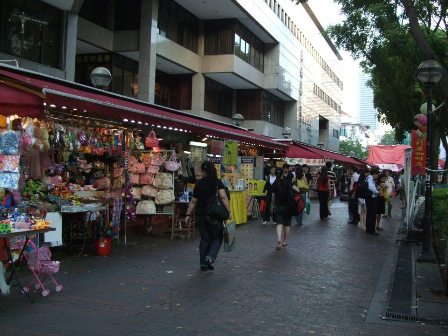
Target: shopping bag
(307, 205)
(229, 235)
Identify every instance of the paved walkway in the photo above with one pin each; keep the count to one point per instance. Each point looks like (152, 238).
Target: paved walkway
(322, 284)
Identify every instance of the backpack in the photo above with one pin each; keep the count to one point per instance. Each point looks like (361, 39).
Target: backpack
(363, 190)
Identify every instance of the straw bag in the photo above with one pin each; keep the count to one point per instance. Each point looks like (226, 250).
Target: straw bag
(146, 159)
(157, 160)
(134, 178)
(146, 179)
(151, 140)
(149, 191)
(165, 197)
(136, 193)
(146, 208)
(153, 169)
(172, 164)
(137, 168)
(163, 181)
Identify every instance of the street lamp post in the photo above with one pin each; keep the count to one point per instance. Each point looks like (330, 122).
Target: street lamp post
(429, 73)
(100, 77)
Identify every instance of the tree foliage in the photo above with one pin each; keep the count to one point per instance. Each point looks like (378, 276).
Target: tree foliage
(352, 147)
(388, 138)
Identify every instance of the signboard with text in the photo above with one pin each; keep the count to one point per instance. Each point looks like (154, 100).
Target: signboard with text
(418, 159)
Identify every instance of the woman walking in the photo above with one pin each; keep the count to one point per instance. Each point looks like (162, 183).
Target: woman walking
(283, 211)
(362, 202)
(211, 230)
(301, 183)
(323, 191)
(270, 180)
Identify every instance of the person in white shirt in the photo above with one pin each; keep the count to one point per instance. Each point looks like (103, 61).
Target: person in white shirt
(270, 180)
(371, 202)
(390, 184)
(353, 199)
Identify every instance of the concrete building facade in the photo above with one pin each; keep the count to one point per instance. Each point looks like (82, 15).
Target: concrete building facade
(268, 60)
(368, 114)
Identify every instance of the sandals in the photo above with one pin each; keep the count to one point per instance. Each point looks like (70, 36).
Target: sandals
(284, 244)
(279, 246)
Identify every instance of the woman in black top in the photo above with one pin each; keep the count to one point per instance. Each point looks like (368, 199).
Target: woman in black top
(283, 211)
(270, 181)
(211, 230)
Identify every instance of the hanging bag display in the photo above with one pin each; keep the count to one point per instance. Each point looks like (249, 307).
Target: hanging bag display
(157, 160)
(136, 193)
(151, 140)
(146, 179)
(146, 208)
(153, 169)
(137, 168)
(149, 191)
(165, 197)
(146, 159)
(134, 179)
(163, 181)
(172, 164)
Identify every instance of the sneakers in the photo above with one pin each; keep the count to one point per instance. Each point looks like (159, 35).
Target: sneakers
(265, 223)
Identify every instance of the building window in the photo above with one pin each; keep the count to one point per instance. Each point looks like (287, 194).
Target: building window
(98, 12)
(178, 25)
(230, 37)
(218, 98)
(173, 91)
(127, 15)
(31, 30)
(335, 133)
(273, 110)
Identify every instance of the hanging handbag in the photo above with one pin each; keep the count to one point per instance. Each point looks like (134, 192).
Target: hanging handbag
(157, 160)
(134, 178)
(153, 169)
(136, 193)
(137, 168)
(149, 191)
(172, 164)
(146, 159)
(215, 209)
(146, 179)
(146, 208)
(151, 140)
(165, 197)
(118, 172)
(163, 181)
(229, 235)
(102, 183)
(132, 160)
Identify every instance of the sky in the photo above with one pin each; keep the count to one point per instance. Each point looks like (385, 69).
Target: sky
(351, 69)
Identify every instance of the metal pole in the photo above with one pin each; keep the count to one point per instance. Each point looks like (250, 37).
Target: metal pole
(426, 254)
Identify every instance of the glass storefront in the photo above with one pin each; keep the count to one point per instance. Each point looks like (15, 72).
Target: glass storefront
(31, 30)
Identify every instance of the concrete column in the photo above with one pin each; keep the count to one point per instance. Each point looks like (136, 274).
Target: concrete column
(148, 50)
(198, 94)
(70, 46)
(291, 119)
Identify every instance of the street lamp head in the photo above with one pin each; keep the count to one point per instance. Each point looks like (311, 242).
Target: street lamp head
(286, 132)
(100, 77)
(430, 72)
(237, 119)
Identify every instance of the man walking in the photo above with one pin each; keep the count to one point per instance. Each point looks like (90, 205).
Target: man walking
(371, 202)
(332, 177)
(353, 198)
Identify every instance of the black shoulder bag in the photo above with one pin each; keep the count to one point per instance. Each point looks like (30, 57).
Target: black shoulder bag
(215, 209)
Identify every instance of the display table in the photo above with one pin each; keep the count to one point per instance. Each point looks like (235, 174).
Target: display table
(19, 233)
(238, 207)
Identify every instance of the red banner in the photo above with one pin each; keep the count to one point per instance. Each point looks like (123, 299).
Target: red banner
(418, 161)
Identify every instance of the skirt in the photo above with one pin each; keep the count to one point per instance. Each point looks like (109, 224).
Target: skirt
(381, 206)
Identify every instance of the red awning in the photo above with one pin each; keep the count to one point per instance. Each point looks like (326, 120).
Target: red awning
(298, 152)
(17, 101)
(83, 99)
(331, 155)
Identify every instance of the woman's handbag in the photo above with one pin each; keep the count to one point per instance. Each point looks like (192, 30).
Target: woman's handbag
(118, 172)
(149, 191)
(163, 181)
(229, 235)
(137, 168)
(132, 160)
(153, 169)
(146, 159)
(134, 179)
(146, 208)
(136, 193)
(151, 140)
(172, 164)
(102, 183)
(146, 179)
(165, 197)
(157, 160)
(215, 209)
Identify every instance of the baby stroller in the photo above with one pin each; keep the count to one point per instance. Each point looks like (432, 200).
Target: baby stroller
(40, 263)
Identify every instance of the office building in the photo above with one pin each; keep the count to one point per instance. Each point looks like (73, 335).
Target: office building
(368, 115)
(268, 60)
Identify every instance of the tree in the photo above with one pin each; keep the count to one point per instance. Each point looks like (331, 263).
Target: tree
(352, 147)
(388, 138)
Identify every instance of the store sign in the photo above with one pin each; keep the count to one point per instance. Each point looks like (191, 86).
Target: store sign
(309, 162)
(230, 153)
(247, 160)
(418, 160)
(215, 160)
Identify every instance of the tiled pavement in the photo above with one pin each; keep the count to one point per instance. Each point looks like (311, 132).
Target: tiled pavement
(322, 284)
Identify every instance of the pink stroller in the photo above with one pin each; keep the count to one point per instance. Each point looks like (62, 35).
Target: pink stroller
(40, 263)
